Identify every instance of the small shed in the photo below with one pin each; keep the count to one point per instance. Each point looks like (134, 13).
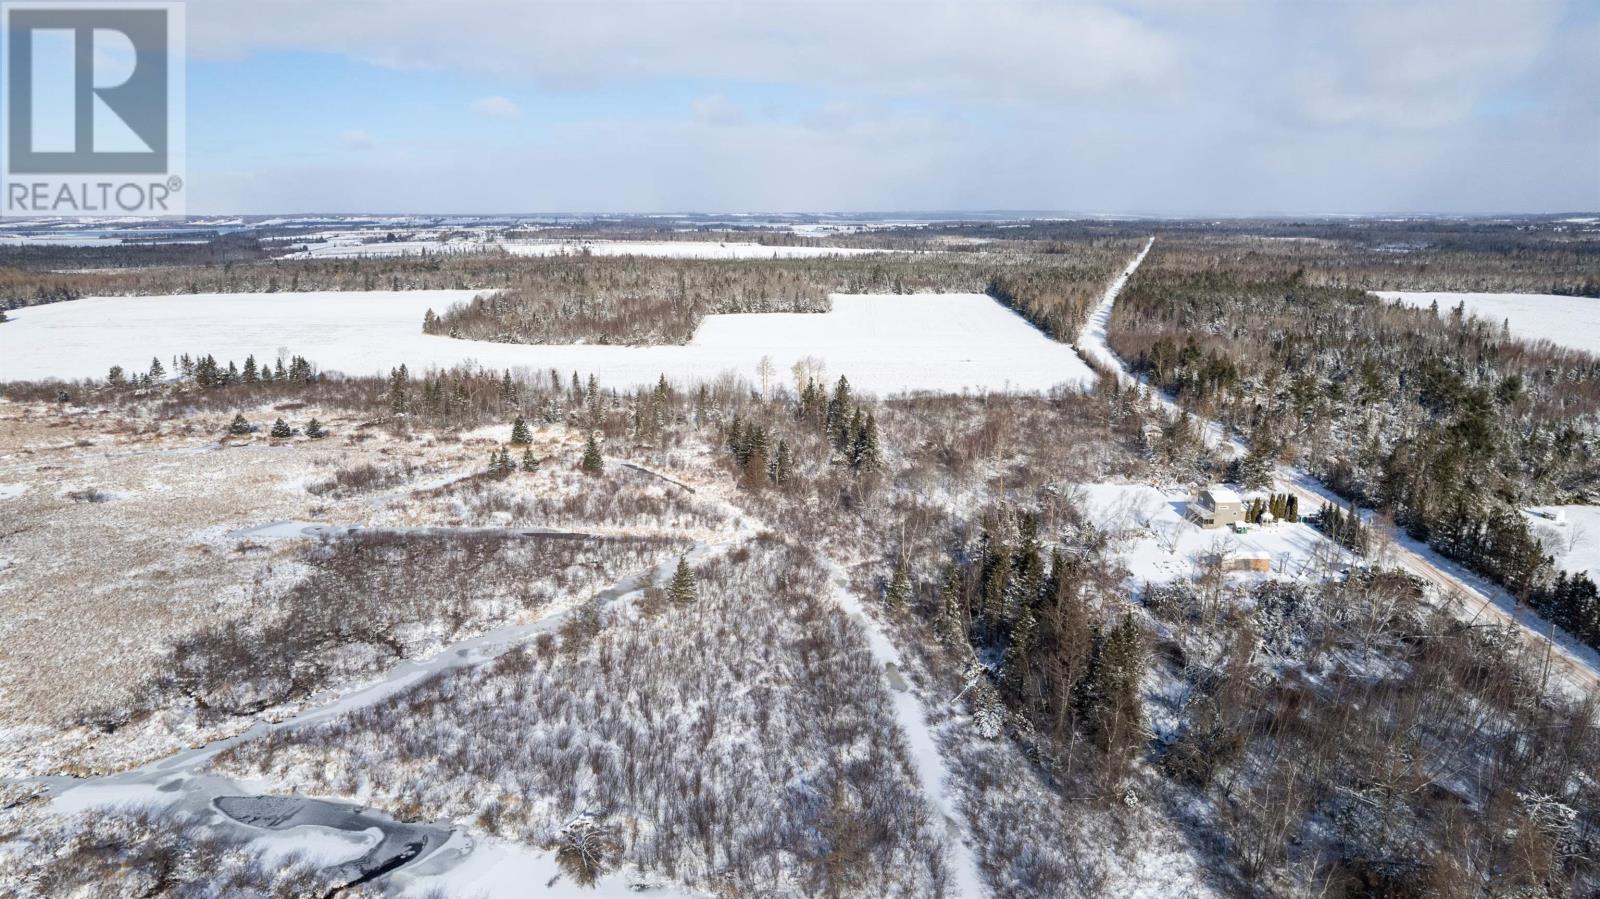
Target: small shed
(1247, 560)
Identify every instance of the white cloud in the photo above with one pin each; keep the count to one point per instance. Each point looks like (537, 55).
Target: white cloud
(1132, 105)
(497, 107)
(988, 50)
(355, 139)
(716, 109)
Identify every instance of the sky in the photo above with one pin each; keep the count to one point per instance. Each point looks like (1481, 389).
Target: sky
(1178, 107)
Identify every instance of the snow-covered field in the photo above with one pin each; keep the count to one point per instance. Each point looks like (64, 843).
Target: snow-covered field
(882, 343)
(1573, 537)
(345, 248)
(1568, 321)
(675, 249)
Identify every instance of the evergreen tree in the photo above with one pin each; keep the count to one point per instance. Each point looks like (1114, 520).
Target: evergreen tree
(1014, 670)
(996, 589)
(840, 416)
(757, 471)
(115, 378)
(683, 590)
(157, 370)
(251, 375)
(1255, 471)
(399, 380)
(866, 456)
(951, 624)
(314, 430)
(1110, 700)
(898, 592)
(782, 465)
(529, 463)
(520, 436)
(592, 402)
(593, 463)
(239, 426)
(281, 430)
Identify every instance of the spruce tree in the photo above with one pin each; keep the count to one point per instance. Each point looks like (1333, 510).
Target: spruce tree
(866, 456)
(593, 463)
(996, 589)
(898, 592)
(1255, 472)
(529, 463)
(314, 430)
(239, 426)
(683, 590)
(116, 378)
(157, 370)
(1014, 671)
(281, 430)
(251, 375)
(520, 436)
(398, 388)
(840, 415)
(951, 624)
(782, 465)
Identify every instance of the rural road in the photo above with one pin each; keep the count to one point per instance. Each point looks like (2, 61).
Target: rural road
(1573, 665)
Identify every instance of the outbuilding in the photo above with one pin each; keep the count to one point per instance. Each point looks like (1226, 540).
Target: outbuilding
(1247, 561)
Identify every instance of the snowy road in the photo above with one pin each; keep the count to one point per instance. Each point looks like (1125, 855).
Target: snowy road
(1573, 665)
(922, 742)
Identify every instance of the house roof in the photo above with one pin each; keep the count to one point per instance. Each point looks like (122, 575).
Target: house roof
(1248, 555)
(1222, 495)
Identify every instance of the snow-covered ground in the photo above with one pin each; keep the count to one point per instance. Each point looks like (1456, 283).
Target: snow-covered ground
(1572, 537)
(882, 343)
(1568, 321)
(1162, 545)
(675, 249)
(345, 247)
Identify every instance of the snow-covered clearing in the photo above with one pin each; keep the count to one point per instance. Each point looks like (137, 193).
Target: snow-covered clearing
(1162, 545)
(1572, 537)
(1568, 321)
(676, 249)
(351, 248)
(947, 342)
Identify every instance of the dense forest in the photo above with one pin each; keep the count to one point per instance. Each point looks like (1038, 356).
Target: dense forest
(639, 300)
(1437, 418)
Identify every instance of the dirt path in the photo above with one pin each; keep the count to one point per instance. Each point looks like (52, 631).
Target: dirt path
(921, 740)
